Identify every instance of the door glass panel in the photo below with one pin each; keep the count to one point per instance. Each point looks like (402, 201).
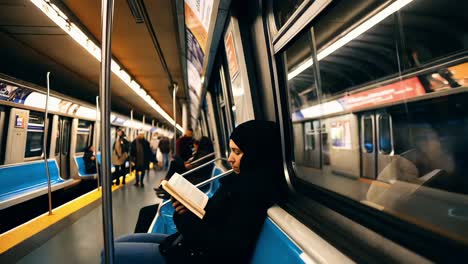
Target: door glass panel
(66, 138)
(368, 135)
(385, 141)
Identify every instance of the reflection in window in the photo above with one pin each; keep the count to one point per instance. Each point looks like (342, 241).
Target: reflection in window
(385, 141)
(34, 142)
(81, 142)
(284, 10)
(368, 135)
(394, 67)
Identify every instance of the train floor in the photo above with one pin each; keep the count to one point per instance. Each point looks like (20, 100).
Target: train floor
(82, 241)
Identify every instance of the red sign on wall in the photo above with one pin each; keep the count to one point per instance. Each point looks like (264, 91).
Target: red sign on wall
(402, 90)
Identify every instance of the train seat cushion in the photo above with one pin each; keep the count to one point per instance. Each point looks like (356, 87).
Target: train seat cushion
(22, 178)
(82, 167)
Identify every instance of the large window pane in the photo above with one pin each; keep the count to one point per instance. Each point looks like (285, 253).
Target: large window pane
(392, 109)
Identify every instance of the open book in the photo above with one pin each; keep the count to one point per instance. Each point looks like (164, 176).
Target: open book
(187, 194)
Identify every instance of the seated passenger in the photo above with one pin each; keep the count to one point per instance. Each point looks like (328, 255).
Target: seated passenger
(90, 160)
(234, 215)
(202, 148)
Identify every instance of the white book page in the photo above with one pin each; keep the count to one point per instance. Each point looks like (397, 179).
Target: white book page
(188, 190)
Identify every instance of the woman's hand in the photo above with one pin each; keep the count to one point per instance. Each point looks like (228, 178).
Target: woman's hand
(179, 208)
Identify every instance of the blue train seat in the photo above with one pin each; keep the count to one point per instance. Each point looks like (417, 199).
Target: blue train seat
(273, 246)
(164, 223)
(82, 168)
(24, 181)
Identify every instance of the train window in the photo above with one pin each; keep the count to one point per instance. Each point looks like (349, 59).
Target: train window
(398, 87)
(433, 31)
(83, 137)
(34, 142)
(385, 140)
(284, 10)
(57, 138)
(66, 138)
(368, 137)
(35, 135)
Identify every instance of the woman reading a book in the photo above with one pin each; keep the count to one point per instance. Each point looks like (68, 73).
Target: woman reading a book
(234, 215)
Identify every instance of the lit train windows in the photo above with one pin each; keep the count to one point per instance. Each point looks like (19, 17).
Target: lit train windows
(35, 135)
(393, 131)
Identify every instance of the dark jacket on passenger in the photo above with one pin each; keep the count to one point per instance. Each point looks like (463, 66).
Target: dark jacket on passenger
(90, 165)
(148, 154)
(184, 147)
(236, 212)
(164, 145)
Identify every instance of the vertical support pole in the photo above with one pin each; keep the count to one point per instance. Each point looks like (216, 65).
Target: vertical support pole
(184, 116)
(131, 139)
(174, 109)
(96, 142)
(44, 144)
(107, 12)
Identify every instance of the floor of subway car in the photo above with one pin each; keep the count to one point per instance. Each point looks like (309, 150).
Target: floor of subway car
(82, 241)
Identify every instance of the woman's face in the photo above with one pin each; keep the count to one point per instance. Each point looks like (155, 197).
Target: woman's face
(235, 156)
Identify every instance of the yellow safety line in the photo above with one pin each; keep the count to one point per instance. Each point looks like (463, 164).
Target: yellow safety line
(20, 233)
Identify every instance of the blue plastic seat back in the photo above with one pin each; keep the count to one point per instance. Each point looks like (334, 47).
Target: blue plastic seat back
(273, 246)
(19, 178)
(82, 167)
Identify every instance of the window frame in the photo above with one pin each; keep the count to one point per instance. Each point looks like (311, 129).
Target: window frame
(414, 237)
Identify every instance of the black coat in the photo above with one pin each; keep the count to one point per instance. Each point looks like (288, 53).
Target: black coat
(148, 154)
(90, 165)
(231, 226)
(235, 214)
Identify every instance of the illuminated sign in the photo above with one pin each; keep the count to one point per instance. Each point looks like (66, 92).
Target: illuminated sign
(390, 93)
(394, 92)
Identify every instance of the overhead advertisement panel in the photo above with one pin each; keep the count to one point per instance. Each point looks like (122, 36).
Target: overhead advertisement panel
(197, 21)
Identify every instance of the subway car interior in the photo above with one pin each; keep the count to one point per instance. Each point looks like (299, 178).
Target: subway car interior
(369, 100)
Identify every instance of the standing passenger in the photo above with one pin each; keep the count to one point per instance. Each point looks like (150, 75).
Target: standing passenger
(119, 156)
(141, 156)
(164, 148)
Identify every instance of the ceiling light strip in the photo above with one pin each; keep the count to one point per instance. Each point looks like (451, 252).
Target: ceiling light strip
(368, 24)
(59, 18)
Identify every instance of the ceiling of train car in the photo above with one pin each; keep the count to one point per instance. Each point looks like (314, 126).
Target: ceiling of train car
(32, 45)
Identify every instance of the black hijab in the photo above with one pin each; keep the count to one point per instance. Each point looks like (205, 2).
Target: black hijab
(262, 160)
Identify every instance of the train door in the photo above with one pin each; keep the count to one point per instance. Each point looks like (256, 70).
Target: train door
(62, 146)
(376, 142)
(312, 144)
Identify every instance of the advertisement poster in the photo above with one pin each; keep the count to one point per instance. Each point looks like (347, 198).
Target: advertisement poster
(197, 19)
(231, 56)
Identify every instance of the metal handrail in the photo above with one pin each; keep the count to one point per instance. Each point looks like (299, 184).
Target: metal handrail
(201, 184)
(201, 166)
(202, 158)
